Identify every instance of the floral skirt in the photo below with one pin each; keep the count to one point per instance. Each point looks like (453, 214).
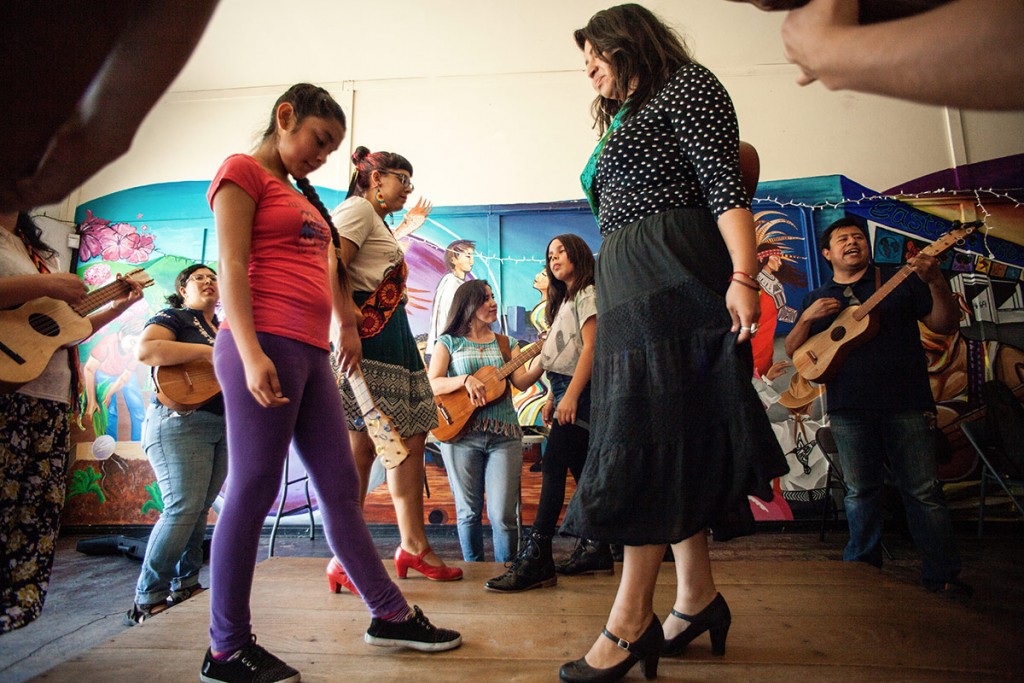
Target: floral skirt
(33, 469)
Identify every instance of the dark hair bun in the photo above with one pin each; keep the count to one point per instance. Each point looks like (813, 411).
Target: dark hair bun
(360, 154)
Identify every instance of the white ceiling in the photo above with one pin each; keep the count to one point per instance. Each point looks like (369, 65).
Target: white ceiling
(253, 43)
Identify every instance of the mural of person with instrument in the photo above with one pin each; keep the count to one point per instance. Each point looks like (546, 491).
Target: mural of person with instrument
(481, 440)
(36, 408)
(185, 443)
(880, 403)
(390, 362)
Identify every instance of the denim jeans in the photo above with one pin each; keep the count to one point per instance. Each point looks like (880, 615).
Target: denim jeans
(906, 440)
(189, 455)
(482, 462)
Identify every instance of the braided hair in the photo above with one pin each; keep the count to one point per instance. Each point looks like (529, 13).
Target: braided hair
(311, 100)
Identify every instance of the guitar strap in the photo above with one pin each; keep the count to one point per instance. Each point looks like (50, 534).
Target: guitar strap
(504, 347)
(878, 278)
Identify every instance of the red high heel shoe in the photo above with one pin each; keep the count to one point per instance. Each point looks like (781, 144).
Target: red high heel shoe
(336, 578)
(404, 561)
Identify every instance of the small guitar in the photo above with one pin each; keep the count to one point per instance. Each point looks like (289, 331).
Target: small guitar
(455, 409)
(386, 439)
(31, 333)
(821, 356)
(186, 386)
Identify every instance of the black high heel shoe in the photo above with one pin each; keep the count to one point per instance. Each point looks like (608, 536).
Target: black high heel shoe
(715, 618)
(646, 649)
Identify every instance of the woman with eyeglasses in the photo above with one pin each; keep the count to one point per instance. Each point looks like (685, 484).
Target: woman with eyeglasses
(187, 449)
(386, 352)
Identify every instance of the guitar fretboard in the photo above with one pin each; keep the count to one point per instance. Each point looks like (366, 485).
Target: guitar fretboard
(361, 391)
(97, 298)
(522, 359)
(940, 246)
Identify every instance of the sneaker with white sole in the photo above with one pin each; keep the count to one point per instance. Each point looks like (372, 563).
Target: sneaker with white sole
(416, 632)
(251, 664)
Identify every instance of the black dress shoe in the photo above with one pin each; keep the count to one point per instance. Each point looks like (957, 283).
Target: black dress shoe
(646, 649)
(715, 618)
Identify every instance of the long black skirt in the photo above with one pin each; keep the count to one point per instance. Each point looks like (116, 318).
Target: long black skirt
(679, 437)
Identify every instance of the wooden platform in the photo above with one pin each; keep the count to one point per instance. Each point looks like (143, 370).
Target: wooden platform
(816, 621)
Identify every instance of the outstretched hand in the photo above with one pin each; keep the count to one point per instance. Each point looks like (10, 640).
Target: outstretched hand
(414, 218)
(806, 32)
(76, 152)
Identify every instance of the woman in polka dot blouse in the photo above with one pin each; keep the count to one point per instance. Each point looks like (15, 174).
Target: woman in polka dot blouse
(679, 437)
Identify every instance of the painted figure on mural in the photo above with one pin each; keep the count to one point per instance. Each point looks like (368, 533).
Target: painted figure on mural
(459, 258)
(777, 263)
(112, 370)
(538, 318)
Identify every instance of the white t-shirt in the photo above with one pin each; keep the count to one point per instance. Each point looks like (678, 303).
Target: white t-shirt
(378, 249)
(54, 383)
(564, 344)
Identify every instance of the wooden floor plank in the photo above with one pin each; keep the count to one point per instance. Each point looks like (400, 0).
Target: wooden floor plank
(791, 620)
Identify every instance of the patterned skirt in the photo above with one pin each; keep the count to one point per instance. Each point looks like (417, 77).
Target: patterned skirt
(396, 377)
(678, 435)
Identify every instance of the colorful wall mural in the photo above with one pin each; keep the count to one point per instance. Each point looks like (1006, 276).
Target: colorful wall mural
(165, 227)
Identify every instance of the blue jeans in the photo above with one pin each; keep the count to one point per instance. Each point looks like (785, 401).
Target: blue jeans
(480, 462)
(189, 455)
(906, 440)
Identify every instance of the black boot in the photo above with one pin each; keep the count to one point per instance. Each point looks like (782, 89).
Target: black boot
(533, 567)
(588, 557)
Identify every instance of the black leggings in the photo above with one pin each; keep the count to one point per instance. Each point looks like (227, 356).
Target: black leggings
(566, 452)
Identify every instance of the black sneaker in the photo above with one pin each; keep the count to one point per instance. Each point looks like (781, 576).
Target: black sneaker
(251, 664)
(416, 632)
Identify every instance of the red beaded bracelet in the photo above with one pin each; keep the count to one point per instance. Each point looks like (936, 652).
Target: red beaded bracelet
(745, 284)
(746, 275)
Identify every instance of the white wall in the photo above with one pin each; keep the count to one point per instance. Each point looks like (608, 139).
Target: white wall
(489, 102)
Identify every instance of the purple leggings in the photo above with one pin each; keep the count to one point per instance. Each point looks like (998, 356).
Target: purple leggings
(258, 440)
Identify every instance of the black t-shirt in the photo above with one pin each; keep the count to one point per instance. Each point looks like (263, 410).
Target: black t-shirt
(189, 326)
(890, 372)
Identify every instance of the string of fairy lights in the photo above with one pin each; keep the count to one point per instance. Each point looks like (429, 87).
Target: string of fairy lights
(978, 197)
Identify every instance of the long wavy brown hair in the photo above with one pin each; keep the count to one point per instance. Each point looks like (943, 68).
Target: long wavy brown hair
(641, 50)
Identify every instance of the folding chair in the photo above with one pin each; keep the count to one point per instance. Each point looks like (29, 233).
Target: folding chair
(989, 454)
(281, 512)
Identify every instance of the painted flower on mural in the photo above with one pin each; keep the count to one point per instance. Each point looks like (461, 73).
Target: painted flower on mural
(97, 274)
(113, 241)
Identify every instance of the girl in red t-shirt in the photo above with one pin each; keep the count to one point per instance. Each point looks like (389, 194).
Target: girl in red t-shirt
(271, 357)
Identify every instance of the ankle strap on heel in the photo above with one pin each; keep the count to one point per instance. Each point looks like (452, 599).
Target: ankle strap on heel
(619, 642)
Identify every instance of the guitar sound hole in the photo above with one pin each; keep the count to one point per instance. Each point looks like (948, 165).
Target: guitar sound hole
(44, 324)
(838, 333)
